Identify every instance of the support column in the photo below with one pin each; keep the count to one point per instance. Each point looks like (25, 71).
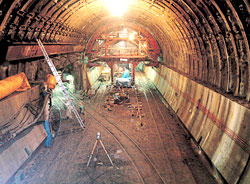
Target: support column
(106, 47)
(77, 76)
(112, 72)
(139, 43)
(85, 73)
(110, 64)
(135, 63)
(81, 76)
(133, 72)
(3, 72)
(85, 77)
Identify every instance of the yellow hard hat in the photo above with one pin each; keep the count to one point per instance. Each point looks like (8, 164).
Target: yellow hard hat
(51, 81)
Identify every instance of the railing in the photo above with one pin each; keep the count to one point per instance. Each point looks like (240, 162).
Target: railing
(122, 51)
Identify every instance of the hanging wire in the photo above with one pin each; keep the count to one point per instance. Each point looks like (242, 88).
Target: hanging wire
(15, 116)
(23, 124)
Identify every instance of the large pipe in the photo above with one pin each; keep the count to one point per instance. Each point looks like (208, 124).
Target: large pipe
(18, 82)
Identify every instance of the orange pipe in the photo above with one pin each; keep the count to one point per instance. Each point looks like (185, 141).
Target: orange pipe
(18, 82)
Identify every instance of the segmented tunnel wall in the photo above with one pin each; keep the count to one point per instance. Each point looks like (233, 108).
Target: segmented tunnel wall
(221, 125)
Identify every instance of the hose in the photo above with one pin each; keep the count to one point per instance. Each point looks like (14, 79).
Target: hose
(14, 117)
(38, 117)
(22, 126)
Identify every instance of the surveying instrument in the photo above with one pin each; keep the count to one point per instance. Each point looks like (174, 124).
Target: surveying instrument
(98, 139)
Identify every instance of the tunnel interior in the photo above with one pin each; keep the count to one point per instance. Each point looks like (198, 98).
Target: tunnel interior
(196, 52)
(205, 40)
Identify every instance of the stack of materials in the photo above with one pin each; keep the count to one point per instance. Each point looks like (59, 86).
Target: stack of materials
(116, 97)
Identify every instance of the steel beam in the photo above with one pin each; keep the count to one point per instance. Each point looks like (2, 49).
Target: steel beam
(18, 52)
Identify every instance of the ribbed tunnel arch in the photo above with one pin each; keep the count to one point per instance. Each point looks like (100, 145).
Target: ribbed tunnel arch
(205, 64)
(206, 40)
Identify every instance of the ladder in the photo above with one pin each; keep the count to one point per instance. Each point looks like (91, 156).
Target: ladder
(69, 103)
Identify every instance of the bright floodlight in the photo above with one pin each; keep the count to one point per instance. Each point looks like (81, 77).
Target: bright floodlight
(131, 36)
(125, 30)
(117, 7)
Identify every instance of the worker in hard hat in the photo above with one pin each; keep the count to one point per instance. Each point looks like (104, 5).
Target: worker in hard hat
(82, 110)
(51, 81)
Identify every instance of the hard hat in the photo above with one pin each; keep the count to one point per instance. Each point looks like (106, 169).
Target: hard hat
(51, 81)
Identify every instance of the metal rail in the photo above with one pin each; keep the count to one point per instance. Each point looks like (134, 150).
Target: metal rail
(138, 107)
(121, 145)
(165, 123)
(114, 126)
(159, 135)
(116, 139)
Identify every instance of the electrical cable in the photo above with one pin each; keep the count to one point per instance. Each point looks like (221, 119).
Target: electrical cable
(26, 112)
(22, 125)
(14, 117)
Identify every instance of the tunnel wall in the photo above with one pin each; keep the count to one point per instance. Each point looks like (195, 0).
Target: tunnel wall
(218, 124)
(13, 154)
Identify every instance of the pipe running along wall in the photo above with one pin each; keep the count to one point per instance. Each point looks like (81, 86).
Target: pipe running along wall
(18, 82)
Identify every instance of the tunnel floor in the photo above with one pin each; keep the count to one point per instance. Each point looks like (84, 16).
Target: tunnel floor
(145, 141)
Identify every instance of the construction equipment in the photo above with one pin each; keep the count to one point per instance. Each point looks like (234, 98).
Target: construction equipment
(69, 103)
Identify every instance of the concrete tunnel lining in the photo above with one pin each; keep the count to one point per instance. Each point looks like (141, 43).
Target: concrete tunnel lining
(206, 41)
(199, 38)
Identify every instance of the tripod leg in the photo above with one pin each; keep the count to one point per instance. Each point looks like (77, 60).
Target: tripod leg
(92, 152)
(106, 153)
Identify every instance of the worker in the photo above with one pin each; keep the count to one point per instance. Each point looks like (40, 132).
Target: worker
(116, 98)
(51, 81)
(82, 110)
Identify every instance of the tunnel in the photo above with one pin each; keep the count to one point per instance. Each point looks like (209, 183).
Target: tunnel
(194, 54)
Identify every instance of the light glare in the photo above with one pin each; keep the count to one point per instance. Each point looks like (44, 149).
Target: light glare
(117, 7)
(122, 44)
(131, 36)
(125, 30)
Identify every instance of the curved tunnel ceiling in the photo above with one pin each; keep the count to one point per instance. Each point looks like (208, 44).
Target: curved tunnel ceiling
(208, 40)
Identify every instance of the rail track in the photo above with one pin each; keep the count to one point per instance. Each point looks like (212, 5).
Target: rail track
(166, 156)
(134, 152)
(153, 157)
(116, 133)
(195, 173)
(127, 143)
